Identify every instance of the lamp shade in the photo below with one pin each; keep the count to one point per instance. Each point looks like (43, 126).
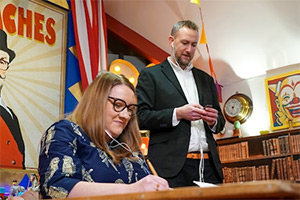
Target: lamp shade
(120, 66)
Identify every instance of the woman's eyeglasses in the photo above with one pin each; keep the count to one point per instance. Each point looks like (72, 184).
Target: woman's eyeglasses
(119, 105)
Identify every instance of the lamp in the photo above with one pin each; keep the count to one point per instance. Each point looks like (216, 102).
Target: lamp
(150, 65)
(145, 141)
(120, 66)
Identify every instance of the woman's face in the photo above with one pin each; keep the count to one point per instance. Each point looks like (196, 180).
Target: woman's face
(116, 122)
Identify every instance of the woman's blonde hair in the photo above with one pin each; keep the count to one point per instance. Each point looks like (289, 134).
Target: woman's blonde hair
(90, 114)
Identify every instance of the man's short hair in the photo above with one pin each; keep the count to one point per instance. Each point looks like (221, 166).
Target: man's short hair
(184, 23)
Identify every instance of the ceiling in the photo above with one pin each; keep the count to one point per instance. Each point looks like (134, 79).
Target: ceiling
(246, 38)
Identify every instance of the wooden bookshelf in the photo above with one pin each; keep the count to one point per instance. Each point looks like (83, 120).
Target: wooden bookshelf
(266, 157)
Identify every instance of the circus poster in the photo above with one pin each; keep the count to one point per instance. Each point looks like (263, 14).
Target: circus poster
(283, 95)
(34, 81)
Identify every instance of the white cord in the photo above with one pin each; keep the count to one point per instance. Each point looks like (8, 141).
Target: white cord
(201, 166)
(122, 144)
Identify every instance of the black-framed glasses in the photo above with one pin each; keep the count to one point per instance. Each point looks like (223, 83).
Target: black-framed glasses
(4, 65)
(119, 105)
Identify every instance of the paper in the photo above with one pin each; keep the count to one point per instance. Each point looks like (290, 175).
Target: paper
(205, 185)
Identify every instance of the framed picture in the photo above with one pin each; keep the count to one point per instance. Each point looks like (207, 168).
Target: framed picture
(283, 96)
(35, 80)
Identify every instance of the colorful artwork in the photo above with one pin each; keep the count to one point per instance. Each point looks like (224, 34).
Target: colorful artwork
(283, 93)
(33, 53)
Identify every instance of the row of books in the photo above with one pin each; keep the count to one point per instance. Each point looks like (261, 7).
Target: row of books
(295, 140)
(276, 146)
(281, 169)
(285, 169)
(244, 174)
(296, 169)
(234, 151)
(281, 145)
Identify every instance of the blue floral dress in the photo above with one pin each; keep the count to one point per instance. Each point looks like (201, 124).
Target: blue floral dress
(68, 156)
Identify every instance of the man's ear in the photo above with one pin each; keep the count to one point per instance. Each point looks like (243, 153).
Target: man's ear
(171, 41)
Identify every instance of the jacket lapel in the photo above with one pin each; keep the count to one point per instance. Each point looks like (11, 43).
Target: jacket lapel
(198, 84)
(170, 75)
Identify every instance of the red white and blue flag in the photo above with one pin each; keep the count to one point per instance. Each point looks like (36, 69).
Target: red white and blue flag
(86, 51)
(90, 35)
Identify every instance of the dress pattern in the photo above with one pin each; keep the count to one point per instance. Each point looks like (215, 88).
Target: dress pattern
(68, 156)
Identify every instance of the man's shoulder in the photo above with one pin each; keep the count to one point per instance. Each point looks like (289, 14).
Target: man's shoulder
(200, 71)
(156, 67)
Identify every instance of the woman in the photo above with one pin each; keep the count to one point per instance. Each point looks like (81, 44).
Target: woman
(97, 146)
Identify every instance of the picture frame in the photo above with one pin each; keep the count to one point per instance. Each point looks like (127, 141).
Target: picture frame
(35, 85)
(283, 95)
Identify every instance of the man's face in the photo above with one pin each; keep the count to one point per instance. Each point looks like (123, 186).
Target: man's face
(185, 43)
(4, 59)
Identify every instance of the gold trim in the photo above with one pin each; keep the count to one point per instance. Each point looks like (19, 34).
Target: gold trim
(62, 3)
(246, 110)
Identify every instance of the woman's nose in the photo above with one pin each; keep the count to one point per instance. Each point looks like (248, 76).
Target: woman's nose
(125, 113)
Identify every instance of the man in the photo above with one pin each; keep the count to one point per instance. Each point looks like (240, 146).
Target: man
(12, 149)
(178, 103)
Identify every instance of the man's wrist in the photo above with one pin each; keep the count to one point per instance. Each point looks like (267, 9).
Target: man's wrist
(213, 128)
(175, 120)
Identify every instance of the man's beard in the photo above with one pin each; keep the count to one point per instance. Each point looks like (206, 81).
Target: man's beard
(178, 59)
(182, 63)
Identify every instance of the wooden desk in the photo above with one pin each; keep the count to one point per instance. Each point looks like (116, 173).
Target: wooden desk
(251, 190)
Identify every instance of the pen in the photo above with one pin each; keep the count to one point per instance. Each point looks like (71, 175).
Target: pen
(151, 167)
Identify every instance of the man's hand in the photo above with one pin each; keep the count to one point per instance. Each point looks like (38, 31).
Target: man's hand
(193, 112)
(210, 115)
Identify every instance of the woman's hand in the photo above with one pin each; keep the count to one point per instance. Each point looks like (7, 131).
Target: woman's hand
(150, 183)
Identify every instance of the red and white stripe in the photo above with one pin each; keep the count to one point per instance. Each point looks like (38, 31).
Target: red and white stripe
(90, 35)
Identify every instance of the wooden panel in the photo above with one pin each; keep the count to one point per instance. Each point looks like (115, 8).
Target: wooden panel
(252, 190)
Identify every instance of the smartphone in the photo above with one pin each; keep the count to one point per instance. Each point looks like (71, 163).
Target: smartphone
(207, 106)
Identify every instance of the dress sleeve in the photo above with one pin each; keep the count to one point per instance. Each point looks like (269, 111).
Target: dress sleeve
(59, 166)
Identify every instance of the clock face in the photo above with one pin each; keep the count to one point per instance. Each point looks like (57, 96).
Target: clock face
(233, 107)
(238, 107)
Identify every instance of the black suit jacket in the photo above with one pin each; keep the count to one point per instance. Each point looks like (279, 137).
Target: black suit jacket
(158, 93)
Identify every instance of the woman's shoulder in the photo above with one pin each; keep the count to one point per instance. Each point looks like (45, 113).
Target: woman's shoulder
(65, 128)
(62, 124)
